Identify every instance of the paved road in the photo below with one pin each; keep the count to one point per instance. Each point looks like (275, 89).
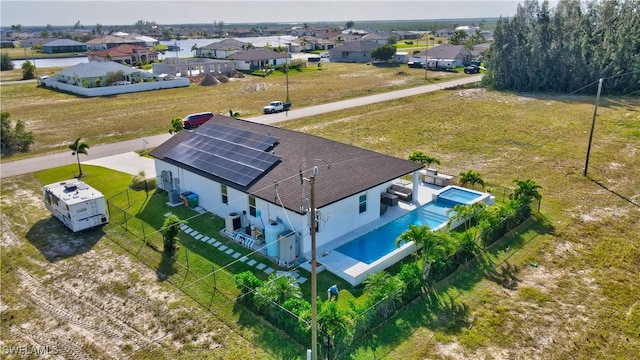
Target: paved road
(20, 167)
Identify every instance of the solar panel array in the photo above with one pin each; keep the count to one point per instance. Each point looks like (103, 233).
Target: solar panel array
(236, 155)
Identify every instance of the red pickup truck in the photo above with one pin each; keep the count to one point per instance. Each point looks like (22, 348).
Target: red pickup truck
(195, 120)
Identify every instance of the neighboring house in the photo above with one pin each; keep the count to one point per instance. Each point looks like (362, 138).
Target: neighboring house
(444, 33)
(90, 79)
(354, 51)
(63, 46)
(221, 49)
(478, 49)
(148, 41)
(256, 59)
(31, 42)
(401, 57)
(203, 66)
(108, 42)
(407, 35)
(312, 43)
(6, 44)
(379, 38)
(236, 166)
(129, 54)
(458, 53)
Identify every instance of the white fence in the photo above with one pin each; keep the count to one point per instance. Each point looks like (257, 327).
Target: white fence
(118, 89)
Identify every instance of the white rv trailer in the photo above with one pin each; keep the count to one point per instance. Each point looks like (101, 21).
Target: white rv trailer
(76, 204)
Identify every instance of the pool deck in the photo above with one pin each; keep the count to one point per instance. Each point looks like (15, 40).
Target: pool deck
(355, 271)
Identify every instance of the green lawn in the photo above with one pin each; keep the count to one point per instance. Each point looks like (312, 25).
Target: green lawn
(575, 265)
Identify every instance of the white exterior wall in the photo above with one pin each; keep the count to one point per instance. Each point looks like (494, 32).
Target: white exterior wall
(343, 216)
(120, 89)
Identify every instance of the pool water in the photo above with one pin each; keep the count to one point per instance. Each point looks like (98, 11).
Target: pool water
(458, 195)
(381, 241)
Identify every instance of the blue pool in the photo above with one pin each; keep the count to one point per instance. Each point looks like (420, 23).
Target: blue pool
(458, 195)
(382, 241)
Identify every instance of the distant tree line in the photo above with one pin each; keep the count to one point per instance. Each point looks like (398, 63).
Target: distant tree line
(564, 50)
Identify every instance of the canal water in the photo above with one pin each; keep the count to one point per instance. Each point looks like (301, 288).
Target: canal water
(184, 52)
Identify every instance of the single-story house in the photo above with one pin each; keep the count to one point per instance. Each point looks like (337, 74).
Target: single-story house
(94, 73)
(129, 54)
(256, 59)
(479, 48)
(108, 42)
(221, 49)
(310, 43)
(63, 46)
(31, 42)
(234, 167)
(458, 53)
(353, 51)
(90, 79)
(380, 38)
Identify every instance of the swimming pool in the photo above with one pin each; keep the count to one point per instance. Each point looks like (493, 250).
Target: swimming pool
(458, 195)
(381, 241)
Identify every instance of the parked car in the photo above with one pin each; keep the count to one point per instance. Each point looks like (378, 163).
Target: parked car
(415, 64)
(194, 120)
(276, 106)
(471, 69)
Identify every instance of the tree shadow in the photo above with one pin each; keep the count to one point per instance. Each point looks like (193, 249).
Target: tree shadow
(505, 275)
(56, 242)
(166, 267)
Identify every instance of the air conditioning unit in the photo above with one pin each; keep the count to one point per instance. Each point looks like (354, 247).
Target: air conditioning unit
(174, 196)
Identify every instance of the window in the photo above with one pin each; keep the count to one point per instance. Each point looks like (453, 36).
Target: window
(223, 191)
(362, 202)
(252, 205)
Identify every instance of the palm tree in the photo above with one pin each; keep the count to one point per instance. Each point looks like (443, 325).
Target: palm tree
(422, 158)
(435, 245)
(471, 177)
(334, 323)
(194, 48)
(177, 125)
(526, 191)
(79, 147)
(385, 291)
(234, 114)
(277, 289)
(339, 40)
(468, 213)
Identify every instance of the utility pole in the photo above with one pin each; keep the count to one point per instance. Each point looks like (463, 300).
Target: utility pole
(426, 58)
(314, 290)
(286, 71)
(593, 124)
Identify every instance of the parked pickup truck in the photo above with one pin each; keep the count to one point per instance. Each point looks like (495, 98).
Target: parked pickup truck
(276, 106)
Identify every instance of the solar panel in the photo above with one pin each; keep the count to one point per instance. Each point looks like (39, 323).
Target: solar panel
(239, 136)
(232, 154)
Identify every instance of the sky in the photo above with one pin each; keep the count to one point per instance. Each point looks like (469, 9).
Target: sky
(113, 12)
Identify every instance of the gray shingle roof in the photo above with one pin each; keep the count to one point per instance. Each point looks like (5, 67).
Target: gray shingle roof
(95, 69)
(225, 44)
(444, 51)
(352, 170)
(63, 42)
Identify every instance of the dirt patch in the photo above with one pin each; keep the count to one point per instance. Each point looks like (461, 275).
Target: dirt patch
(255, 87)
(73, 300)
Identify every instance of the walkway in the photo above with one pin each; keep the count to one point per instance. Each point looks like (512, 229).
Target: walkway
(257, 264)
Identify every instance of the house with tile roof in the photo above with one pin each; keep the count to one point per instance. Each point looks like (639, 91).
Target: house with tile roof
(128, 54)
(221, 49)
(241, 167)
(256, 59)
(353, 51)
(63, 46)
